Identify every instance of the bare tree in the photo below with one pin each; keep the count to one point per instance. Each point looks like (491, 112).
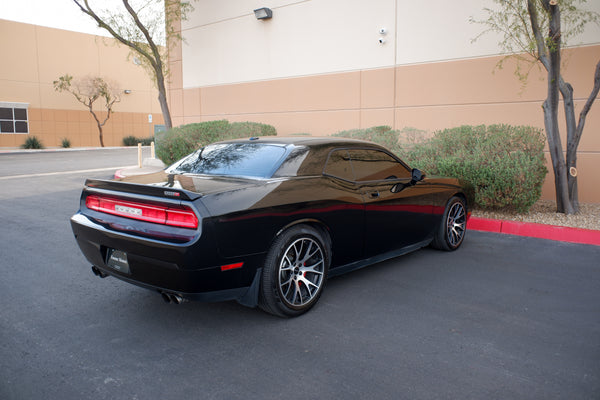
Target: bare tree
(146, 27)
(87, 91)
(522, 24)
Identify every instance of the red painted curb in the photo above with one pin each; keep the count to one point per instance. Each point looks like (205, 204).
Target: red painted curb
(541, 231)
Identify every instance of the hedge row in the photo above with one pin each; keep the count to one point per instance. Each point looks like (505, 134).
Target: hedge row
(504, 165)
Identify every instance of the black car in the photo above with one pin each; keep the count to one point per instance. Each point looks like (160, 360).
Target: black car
(265, 221)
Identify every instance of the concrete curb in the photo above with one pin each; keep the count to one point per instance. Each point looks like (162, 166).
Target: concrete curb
(541, 231)
(6, 150)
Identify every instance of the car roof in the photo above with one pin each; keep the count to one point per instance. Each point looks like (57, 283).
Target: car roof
(319, 149)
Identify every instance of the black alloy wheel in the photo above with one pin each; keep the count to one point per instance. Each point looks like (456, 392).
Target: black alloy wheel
(453, 226)
(295, 272)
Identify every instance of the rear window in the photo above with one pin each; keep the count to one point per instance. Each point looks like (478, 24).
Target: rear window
(232, 159)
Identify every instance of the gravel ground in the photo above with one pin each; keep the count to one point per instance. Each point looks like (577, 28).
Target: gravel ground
(544, 212)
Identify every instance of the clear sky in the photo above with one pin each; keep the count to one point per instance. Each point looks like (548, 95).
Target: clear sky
(61, 14)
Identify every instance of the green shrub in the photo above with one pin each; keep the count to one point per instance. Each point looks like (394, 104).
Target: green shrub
(146, 141)
(32, 142)
(133, 141)
(65, 143)
(130, 141)
(504, 164)
(181, 141)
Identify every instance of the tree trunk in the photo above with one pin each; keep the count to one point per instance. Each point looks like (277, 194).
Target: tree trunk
(563, 201)
(162, 99)
(101, 136)
(567, 94)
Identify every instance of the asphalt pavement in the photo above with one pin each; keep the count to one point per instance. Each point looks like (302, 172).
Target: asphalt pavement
(504, 317)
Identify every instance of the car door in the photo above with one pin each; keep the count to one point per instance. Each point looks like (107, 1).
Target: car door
(398, 213)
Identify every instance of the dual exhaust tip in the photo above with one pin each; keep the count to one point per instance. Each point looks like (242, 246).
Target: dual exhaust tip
(167, 297)
(172, 298)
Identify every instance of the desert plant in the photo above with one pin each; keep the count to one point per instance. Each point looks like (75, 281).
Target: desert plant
(146, 141)
(133, 141)
(130, 141)
(87, 91)
(181, 141)
(65, 143)
(505, 165)
(32, 142)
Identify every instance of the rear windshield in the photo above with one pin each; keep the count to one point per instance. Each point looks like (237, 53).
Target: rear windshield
(232, 159)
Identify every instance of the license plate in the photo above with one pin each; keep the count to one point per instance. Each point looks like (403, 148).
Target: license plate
(117, 260)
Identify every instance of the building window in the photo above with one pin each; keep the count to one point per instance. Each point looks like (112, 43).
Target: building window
(14, 118)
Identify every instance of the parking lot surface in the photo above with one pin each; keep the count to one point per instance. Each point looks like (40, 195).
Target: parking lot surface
(504, 317)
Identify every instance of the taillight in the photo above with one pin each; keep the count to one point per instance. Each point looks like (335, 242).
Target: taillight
(182, 217)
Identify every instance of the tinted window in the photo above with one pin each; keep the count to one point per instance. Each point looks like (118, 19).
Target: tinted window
(373, 165)
(233, 159)
(21, 127)
(6, 113)
(7, 127)
(338, 165)
(21, 114)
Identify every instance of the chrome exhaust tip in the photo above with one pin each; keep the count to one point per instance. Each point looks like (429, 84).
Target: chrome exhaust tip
(98, 272)
(172, 298)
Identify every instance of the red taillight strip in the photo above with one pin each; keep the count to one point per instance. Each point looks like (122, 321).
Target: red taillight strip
(180, 217)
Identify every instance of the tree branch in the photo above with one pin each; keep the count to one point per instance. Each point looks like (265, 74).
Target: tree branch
(539, 38)
(156, 61)
(102, 24)
(588, 104)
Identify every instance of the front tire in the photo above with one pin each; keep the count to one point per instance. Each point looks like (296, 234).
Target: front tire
(453, 227)
(295, 272)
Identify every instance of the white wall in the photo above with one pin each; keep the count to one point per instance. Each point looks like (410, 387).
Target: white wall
(226, 44)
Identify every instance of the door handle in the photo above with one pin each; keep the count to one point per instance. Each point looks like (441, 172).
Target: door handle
(374, 195)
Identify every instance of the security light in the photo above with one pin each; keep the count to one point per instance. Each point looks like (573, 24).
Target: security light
(263, 13)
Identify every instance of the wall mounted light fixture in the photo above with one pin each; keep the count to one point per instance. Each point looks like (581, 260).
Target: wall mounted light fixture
(127, 91)
(263, 13)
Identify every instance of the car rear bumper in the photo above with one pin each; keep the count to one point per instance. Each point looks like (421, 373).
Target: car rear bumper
(171, 268)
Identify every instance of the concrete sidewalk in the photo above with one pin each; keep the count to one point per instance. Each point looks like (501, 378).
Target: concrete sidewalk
(149, 166)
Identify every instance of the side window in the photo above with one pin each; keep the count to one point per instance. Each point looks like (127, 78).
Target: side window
(375, 165)
(338, 165)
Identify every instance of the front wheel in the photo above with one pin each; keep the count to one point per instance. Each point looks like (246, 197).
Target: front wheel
(451, 232)
(295, 272)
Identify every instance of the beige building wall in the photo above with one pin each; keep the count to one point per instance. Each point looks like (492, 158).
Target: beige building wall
(318, 67)
(39, 55)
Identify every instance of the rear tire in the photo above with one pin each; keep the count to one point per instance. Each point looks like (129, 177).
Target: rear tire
(453, 227)
(295, 272)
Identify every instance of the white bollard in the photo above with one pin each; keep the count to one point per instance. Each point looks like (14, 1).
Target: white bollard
(139, 155)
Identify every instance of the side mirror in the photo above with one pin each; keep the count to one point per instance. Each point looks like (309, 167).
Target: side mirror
(417, 176)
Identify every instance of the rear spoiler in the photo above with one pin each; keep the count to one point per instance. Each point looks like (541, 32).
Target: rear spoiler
(162, 190)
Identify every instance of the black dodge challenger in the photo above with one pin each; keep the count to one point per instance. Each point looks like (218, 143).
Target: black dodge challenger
(265, 221)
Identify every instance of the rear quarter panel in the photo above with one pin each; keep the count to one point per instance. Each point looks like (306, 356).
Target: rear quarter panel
(247, 220)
